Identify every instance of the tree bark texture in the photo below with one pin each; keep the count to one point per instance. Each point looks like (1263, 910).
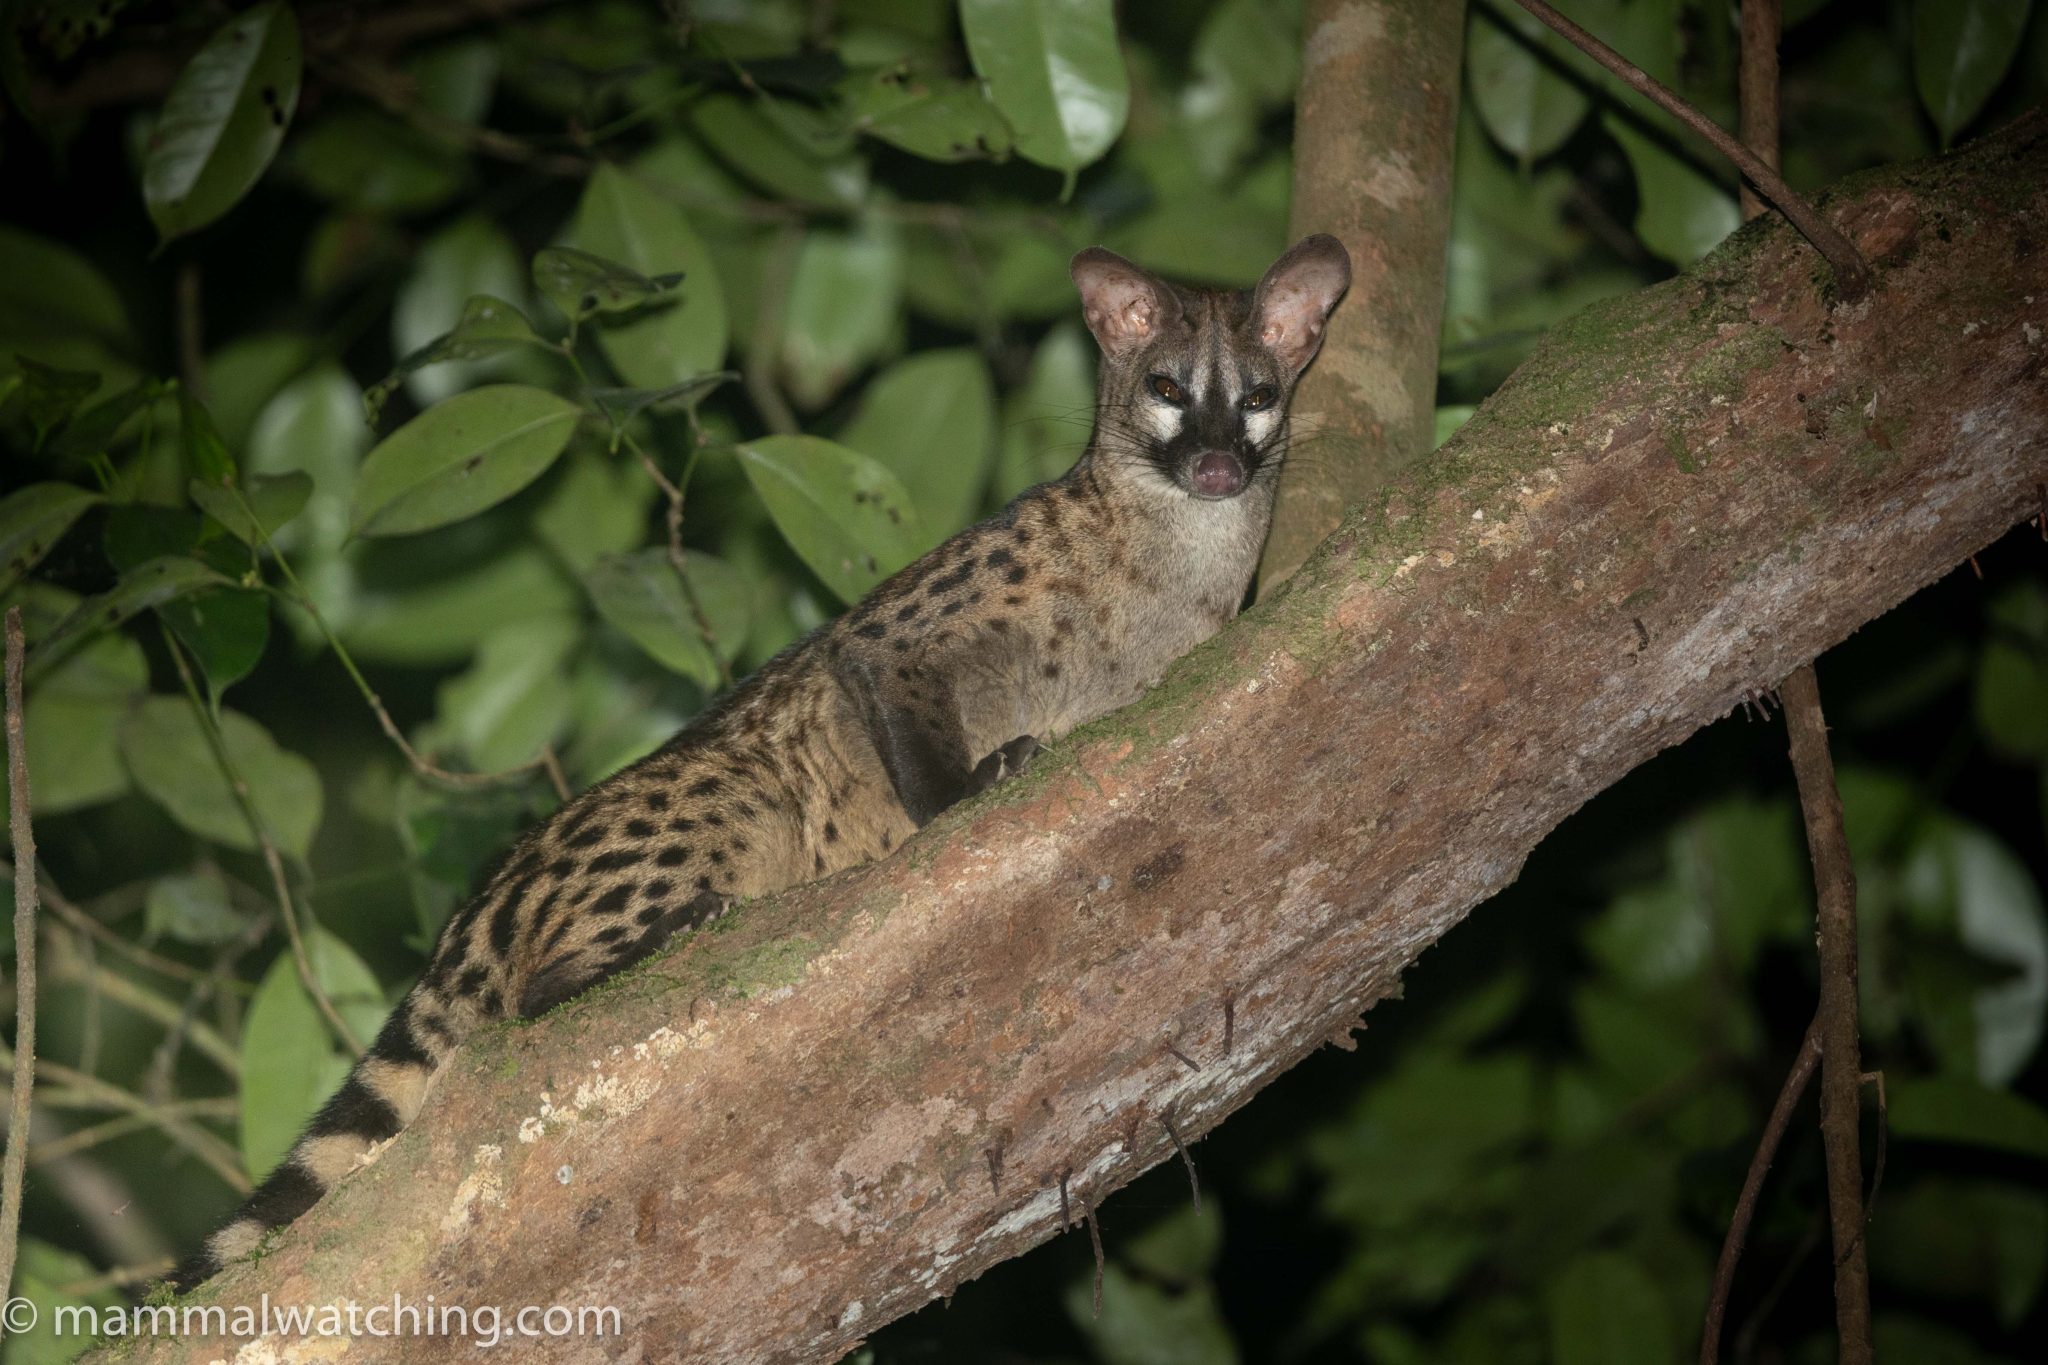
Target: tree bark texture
(842, 1102)
(1374, 128)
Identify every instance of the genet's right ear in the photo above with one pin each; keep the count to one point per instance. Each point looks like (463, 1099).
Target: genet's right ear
(1122, 305)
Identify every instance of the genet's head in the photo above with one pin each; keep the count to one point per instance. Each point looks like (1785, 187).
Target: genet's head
(1195, 383)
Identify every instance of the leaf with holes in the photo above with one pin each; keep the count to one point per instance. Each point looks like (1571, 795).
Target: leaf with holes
(223, 120)
(621, 219)
(931, 420)
(459, 457)
(845, 515)
(34, 518)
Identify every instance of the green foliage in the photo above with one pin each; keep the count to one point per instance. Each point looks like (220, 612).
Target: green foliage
(524, 385)
(223, 121)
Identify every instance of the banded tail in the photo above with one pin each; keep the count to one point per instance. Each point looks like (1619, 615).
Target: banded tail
(380, 1097)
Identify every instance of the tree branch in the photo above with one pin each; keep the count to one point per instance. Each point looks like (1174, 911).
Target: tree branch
(1375, 124)
(776, 1138)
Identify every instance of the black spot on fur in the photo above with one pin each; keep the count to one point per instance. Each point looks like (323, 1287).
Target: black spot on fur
(707, 786)
(561, 869)
(831, 832)
(675, 855)
(639, 829)
(618, 858)
(504, 919)
(874, 630)
(613, 901)
(681, 826)
(657, 801)
(472, 981)
(655, 890)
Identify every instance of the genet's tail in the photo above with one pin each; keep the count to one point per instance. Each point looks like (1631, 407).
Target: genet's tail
(379, 1098)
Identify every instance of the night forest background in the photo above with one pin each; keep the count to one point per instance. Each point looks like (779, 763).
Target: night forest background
(372, 385)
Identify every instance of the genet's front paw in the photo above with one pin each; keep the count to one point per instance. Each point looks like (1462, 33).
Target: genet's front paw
(1007, 761)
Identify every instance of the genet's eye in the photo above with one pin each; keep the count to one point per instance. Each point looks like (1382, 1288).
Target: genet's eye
(1168, 390)
(1259, 399)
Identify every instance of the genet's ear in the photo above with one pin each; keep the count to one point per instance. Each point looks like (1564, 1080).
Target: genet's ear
(1293, 301)
(1122, 304)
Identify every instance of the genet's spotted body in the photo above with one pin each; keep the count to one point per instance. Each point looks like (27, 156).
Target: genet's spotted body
(940, 682)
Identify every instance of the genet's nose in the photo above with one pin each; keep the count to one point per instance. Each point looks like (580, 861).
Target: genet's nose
(1218, 474)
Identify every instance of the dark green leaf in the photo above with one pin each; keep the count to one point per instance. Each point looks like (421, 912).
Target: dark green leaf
(149, 584)
(313, 427)
(367, 160)
(206, 454)
(622, 220)
(1528, 107)
(56, 306)
(931, 420)
(1951, 1109)
(251, 513)
(94, 431)
(167, 752)
(223, 120)
(845, 515)
(1054, 69)
(226, 630)
(939, 120)
(513, 699)
(581, 284)
(1605, 1309)
(1961, 51)
(244, 375)
(1047, 422)
(48, 396)
(34, 518)
(1142, 1324)
(192, 907)
(640, 594)
(1682, 211)
(788, 157)
(595, 508)
(459, 457)
(439, 311)
(489, 327)
(845, 304)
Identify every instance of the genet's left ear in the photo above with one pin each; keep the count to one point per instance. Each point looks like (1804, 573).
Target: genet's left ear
(1293, 301)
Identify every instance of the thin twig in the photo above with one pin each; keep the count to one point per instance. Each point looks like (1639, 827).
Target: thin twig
(1797, 1079)
(1852, 276)
(85, 1090)
(72, 968)
(272, 860)
(1841, 1074)
(766, 348)
(673, 490)
(303, 600)
(23, 841)
(1095, 1244)
(1194, 1181)
(191, 331)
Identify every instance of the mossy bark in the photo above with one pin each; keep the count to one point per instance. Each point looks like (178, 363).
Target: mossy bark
(780, 1136)
(1373, 134)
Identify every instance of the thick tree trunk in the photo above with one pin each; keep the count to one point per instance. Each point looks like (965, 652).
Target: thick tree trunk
(1374, 128)
(845, 1101)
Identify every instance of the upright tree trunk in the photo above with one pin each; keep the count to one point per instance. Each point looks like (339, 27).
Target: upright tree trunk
(1374, 129)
